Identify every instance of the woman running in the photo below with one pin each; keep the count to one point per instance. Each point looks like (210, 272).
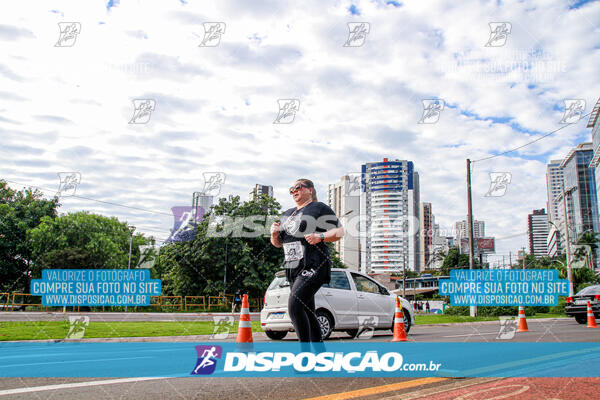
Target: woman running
(303, 231)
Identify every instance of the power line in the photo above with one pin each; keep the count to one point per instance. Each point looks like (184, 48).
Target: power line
(96, 200)
(527, 144)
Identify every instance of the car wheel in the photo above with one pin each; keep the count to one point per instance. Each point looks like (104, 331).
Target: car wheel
(276, 335)
(352, 332)
(406, 320)
(581, 319)
(326, 323)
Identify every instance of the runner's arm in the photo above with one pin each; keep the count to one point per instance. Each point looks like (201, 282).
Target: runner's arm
(275, 237)
(333, 235)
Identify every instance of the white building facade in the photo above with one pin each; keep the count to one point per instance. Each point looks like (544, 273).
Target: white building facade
(537, 223)
(389, 207)
(344, 199)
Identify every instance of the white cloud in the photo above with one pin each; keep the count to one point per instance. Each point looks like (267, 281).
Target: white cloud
(67, 108)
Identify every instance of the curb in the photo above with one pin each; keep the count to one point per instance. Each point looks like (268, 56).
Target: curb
(168, 339)
(492, 322)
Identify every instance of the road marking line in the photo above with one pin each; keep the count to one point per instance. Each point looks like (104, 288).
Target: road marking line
(523, 388)
(378, 389)
(473, 334)
(74, 385)
(455, 385)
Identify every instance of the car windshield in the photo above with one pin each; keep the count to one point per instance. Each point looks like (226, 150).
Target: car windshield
(589, 290)
(278, 283)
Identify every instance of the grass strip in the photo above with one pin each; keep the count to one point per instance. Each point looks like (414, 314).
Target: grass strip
(40, 330)
(449, 319)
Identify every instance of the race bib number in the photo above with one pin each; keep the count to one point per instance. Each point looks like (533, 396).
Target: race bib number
(293, 251)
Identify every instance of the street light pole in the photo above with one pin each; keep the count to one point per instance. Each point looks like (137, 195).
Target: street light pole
(472, 309)
(568, 266)
(404, 278)
(566, 220)
(131, 230)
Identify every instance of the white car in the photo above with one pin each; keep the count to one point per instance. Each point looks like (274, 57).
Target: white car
(351, 302)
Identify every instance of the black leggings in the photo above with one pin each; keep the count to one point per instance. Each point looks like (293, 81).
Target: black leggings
(301, 306)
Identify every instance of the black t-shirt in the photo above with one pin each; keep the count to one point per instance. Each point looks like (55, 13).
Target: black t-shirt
(315, 217)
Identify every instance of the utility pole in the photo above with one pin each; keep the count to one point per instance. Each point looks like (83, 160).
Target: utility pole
(404, 279)
(566, 220)
(131, 230)
(472, 309)
(503, 265)
(225, 274)
(510, 260)
(523, 248)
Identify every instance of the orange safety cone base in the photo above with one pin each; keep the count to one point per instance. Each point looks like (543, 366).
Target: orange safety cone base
(399, 331)
(591, 321)
(244, 328)
(522, 321)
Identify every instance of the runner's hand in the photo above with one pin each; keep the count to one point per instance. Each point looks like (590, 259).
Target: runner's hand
(313, 238)
(275, 228)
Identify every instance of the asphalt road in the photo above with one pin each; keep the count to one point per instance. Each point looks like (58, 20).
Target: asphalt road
(541, 330)
(304, 388)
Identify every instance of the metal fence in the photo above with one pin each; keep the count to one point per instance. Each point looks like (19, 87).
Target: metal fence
(19, 301)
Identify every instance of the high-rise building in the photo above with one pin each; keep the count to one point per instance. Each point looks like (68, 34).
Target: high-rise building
(580, 191)
(461, 229)
(482, 244)
(389, 205)
(440, 247)
(594, 123)
(554, 188)
(427, 221)
(201, 204)
(537, 223)
(344, 199)
(553, 240)
(259, 190)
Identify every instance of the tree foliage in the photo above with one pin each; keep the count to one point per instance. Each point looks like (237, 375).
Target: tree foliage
(582, 277)
(590, 239)
(455, 260)
(20, 211)
(83, 240)
(219, 259)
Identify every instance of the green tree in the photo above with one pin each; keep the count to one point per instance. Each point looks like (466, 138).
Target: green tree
(20, 211)
(590, 239)
(582, 277)
(198, 266)
(83, 240)
(533, 262)
(455, 260)
(335, 257)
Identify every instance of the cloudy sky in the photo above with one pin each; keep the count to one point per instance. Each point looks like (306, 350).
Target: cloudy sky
(66, 103)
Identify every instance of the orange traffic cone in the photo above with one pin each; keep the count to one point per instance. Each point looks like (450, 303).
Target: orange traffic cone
(591, 322)
(244, 328)
(522, 321)
(399, 331)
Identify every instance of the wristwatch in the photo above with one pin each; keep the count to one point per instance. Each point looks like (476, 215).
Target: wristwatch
(322, 237)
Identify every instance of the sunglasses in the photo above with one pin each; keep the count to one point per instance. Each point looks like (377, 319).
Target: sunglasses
(297, 187)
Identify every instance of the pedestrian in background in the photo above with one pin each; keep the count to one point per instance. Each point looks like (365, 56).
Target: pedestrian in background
(237, 301)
